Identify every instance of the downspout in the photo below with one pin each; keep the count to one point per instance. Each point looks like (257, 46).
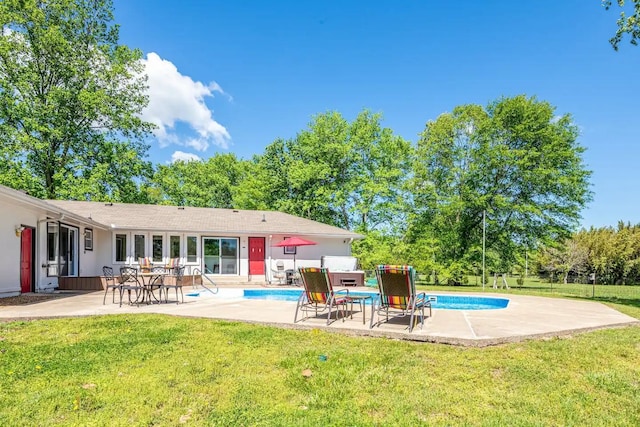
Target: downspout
(270, 260)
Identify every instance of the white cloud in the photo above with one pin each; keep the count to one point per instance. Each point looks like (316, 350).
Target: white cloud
(186, 157)
(174, 97)
(198, 144)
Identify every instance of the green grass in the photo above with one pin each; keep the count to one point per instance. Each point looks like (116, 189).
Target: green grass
(622, 298)
(163, 370)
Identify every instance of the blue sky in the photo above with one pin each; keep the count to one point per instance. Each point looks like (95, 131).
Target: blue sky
(233, 76)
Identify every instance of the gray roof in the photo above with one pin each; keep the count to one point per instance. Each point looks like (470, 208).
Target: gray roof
(189, 219)
(51, 210)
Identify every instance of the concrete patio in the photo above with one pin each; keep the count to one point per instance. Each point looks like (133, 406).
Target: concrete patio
(526, 317)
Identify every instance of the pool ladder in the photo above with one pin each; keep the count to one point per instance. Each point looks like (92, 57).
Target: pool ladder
(197, 272)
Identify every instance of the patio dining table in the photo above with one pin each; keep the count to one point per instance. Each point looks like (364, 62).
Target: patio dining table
(151, 281)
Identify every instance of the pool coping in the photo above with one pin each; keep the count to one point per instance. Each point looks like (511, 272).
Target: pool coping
(526, 317)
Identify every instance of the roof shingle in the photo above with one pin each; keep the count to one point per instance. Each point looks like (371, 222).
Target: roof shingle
(191, 219)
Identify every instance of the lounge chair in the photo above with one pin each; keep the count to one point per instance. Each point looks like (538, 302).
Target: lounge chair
(318, 295)
(398, 295)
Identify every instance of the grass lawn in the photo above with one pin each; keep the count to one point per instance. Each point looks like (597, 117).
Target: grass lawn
(163, 370)
(625, 299)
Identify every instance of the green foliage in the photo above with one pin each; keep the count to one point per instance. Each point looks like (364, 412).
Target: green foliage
(570, 257)
(346, 174)
(613, 253)
(207, 183)
(628, 23)
(70, 98)
(514, 160)
(379, 248)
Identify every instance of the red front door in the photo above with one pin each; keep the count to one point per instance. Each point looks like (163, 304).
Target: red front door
(26, 260)
(256, 255)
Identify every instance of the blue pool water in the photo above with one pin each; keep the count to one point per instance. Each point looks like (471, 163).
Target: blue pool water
(446, 302)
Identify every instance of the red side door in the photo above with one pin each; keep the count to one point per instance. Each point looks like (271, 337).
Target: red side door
(26, 260)
(256, 255)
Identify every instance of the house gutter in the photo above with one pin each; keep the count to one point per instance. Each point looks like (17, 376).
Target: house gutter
(352, 236)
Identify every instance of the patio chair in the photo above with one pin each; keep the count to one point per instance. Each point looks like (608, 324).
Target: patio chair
(398, 295)
(129, 282)
(144, 264)
(110, 283)
(279, 274)
(172, 264)
(176, 284)
(318, 294)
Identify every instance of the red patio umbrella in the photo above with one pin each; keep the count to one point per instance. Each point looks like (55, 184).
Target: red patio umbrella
(294, 241)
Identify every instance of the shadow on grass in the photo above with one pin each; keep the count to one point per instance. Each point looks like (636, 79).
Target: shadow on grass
(632, 302)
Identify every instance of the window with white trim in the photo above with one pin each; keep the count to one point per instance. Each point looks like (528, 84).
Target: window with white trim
(121, 248)
(157, 250)
(174, 247)
(192, 249)
(138, 246)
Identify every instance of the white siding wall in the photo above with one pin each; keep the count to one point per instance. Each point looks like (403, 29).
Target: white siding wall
(306, 256)
(12, 216)
(88, 258)
(15, 214)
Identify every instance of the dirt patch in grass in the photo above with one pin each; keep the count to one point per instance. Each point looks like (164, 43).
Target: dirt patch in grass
(27, 299)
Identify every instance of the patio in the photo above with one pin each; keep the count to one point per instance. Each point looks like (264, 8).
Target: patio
(526, 317)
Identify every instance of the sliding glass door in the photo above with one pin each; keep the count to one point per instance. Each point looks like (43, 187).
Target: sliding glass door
(220, 255)
(69, 250)
(62, 250)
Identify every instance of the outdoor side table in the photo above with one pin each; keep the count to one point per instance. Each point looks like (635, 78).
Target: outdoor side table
(362, 300)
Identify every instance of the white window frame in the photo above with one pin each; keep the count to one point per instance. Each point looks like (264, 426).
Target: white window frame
(198, 249)
(238, 254)
(163, 255)
(180, 249)
(126, 255)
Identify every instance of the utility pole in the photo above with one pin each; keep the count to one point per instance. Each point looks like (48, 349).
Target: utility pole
(484, 238)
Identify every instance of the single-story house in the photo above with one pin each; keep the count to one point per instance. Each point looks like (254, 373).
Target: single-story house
(64, 244)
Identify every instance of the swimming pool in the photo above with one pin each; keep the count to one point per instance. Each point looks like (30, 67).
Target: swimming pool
(443, 302)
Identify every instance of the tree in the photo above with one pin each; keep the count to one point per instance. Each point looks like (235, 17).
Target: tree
(350, 175)
(514, 160)
(207, 183)
(613, 253)
(571, 257)
(70, 98)
(627, 23)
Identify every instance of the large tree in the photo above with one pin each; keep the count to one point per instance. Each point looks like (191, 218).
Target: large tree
(515, 161)
(349, 174)
(203, 183)
(628, 22)
(70, 98)
(613, 253)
